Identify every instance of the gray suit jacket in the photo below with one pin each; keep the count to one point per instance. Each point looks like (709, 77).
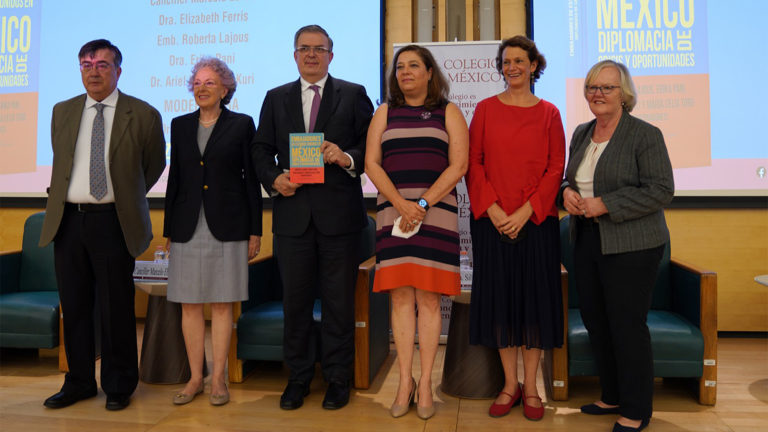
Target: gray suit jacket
(634, 178)
(136, 161)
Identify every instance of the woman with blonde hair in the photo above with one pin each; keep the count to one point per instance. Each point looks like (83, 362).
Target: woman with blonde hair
(619, 178)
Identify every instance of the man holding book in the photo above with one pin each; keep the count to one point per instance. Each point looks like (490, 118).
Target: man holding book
(316, 226)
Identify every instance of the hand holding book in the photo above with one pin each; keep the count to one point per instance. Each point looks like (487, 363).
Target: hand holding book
(333, 154)
(284, 186)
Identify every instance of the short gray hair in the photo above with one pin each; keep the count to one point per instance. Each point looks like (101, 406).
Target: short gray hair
(226, 76)
(312, 28)
(627, 87)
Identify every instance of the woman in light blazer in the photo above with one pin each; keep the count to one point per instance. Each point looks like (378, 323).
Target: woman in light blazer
(618, 179)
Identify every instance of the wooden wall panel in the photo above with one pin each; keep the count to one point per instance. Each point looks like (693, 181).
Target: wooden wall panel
(441, 21)
(398, 26)
(470, 20)
(511, 18)
(12, 226)
(734, 244)
(731, 242)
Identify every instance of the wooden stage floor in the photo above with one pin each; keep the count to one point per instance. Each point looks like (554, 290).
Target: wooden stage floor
(26, 379)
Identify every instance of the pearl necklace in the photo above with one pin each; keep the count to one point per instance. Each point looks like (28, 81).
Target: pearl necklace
(209, 122)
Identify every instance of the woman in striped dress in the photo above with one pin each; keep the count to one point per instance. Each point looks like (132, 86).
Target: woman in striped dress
(416, 154)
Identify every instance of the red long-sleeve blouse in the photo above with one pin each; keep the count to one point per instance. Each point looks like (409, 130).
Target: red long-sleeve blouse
(516, 154)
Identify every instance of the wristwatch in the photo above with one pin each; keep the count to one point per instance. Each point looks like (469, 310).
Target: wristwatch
(424, 204)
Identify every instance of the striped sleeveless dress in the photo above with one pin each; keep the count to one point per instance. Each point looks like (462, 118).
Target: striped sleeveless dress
(414, 154)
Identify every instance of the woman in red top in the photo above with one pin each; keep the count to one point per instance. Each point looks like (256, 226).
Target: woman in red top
(516, 159)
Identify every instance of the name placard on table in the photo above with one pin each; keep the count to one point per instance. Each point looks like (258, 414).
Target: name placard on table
(149, 270)
(466, 279)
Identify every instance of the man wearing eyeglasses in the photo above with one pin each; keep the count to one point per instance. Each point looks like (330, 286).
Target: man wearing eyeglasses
(108, 151)
(317, 227)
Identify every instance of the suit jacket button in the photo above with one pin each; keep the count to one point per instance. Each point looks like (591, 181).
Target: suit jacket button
(205, 187)
(201, 163)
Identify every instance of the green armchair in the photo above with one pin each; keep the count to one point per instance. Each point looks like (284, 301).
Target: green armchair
(682, 322)
(258, 333)
(29, 296)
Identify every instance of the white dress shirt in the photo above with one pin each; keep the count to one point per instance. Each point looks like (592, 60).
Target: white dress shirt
(79, 190)
(585, 174)
(307, 95)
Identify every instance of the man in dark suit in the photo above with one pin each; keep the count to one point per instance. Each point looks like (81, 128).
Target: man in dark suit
(108, 151)
(317, 227)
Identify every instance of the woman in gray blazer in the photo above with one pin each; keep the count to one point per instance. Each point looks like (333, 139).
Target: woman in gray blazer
(618, 179)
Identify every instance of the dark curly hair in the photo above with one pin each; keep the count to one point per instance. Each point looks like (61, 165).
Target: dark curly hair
(526, 45)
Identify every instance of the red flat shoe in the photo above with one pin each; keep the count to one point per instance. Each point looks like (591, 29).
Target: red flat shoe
(500, 410)
(532, 413)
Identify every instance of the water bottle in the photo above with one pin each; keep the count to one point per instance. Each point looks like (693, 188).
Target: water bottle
(159, 255)
(464, 261)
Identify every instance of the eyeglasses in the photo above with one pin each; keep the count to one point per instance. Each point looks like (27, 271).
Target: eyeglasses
(99, 66)
(603, 89)
(209, 84)
(319, 50)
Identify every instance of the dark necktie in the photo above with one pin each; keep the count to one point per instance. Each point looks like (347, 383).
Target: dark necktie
(315, 107)
(98, 171)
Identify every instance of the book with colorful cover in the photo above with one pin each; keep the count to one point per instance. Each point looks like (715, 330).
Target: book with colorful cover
(306, 158)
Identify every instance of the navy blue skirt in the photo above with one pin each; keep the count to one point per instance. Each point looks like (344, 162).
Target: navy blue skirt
(516, 294)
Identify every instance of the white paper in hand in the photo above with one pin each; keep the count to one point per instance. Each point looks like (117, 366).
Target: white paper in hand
(397, 232)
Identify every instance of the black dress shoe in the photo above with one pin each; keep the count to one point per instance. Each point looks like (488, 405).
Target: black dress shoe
(293, 396)
(63, 400)
(116, 403)
(594, 409)
(337, 395)
(621, 428)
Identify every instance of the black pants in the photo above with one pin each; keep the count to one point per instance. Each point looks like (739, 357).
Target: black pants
(615, 296)
(307, 262)
(92, 262)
